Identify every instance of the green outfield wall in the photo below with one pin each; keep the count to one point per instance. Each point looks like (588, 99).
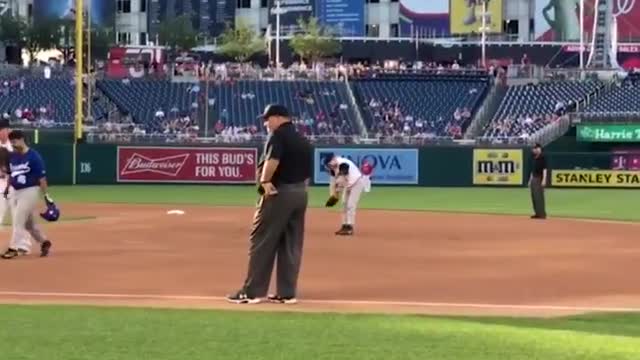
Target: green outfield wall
(438, 166)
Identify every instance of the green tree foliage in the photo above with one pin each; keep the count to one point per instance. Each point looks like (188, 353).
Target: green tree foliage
(177, 33)
(241, 42)
(12, 29)
(314, 41)
(42, 35)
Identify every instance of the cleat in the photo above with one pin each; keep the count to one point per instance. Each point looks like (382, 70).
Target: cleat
(346, 230)
(276, 299)
(242, 298)
(44, 248)
(10, 254)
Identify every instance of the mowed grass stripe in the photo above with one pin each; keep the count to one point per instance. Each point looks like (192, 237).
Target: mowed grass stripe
(606, 204)
(42, 332)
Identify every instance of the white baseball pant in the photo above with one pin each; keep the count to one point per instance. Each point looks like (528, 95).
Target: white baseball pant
(350, 199)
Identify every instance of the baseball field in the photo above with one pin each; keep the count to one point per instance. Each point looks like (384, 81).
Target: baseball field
(431, 274)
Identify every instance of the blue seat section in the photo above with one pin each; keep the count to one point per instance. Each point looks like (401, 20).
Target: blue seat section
(143, 98)
(620, 98)
(234, 103)
(526, 109)
(240, 102)
(433, 99)
(56, 95)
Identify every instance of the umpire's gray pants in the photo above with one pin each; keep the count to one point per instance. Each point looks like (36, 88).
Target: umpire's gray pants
(278, 231)
(537, 197)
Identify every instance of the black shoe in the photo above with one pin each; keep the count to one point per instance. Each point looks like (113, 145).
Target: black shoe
(346, 230)
(242, 298)
(276, 299)
(44, 248)
(537, 217)
(10, 254)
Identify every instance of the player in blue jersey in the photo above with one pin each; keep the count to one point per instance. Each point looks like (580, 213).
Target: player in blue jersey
(28, 180)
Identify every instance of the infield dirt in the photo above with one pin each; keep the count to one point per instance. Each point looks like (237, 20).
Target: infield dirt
(398, 262)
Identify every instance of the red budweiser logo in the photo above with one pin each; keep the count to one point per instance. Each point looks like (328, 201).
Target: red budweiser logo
(168, 165)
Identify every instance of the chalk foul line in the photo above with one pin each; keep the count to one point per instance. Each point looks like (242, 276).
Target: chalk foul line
(71, 295)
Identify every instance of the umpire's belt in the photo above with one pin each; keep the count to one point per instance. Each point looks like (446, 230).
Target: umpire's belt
(294, 187)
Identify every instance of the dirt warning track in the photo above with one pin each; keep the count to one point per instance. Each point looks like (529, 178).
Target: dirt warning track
(399, 262)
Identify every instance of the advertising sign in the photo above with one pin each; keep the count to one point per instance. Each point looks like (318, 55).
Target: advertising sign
(390, 166)
(420, 18)
(128, 61)
(102, 11)
(290, 12)
(608, 133)
(186, 165)
(465, 16)
(345, 17)
(497, 167)
(596, 178)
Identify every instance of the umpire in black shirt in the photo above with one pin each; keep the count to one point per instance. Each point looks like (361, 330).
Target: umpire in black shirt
(537, 182)
(278, 223)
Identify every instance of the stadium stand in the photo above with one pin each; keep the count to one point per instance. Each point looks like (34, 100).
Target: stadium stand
(23, 99)
(420, 105)
(39, 101)
(526, 109)
(143, 99)
(414, 105)
(623, 97)
(317, 107)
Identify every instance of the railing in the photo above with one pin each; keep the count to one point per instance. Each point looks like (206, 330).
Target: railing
(155, 139)
(16, 124)
(356, 109)
(549, 133)
(486, 111)
(618, 117)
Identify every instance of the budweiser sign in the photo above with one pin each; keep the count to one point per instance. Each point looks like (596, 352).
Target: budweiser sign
(170, 165)
(186, 165)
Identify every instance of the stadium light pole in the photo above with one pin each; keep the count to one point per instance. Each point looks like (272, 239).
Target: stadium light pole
(89, 62)
(206, 101)
(582, 34)
(79, 67)
(483, 32)
(278, 9)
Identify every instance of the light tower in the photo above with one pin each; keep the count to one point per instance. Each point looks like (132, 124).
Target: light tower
(484, 29)
(600, 54)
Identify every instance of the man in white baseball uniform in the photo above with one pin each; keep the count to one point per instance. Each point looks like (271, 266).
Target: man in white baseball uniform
(347, 182)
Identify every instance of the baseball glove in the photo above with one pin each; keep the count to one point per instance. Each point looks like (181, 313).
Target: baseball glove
(332, 201)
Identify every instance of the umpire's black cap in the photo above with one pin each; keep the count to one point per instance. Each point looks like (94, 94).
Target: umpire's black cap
(4, 124)
(274, 110)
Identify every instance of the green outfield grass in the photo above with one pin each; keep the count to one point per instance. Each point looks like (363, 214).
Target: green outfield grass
(598, 204)
(75, 333)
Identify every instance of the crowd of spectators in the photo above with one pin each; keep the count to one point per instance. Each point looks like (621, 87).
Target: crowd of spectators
(522, 127)
(390, 120)
(42, 115)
